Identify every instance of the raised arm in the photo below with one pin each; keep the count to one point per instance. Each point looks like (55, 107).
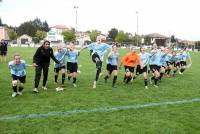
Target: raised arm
(82, 48)
(110, 53)
(190, 60)
(53, 57)
(125, 58)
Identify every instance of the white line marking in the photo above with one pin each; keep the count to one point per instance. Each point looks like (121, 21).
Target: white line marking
(95, 110)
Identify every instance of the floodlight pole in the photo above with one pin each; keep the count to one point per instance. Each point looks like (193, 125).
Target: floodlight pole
(137, 27)
(76, 10)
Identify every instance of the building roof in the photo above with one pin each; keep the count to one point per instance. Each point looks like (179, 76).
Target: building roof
(60, 27)
(187, 42)
(25, 35)
(156, 35)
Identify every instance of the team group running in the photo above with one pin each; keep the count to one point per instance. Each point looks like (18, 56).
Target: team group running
(158, 61)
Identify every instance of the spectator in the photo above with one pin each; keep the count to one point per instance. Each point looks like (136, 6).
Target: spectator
(3, 50)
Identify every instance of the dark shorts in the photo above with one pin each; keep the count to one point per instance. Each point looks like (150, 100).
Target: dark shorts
(3, 53)
(56, 70)
(72, 67)
(96, 58)
(183, 63)
(110, 67)
(129, 69)
(177, 64)
(21, 79)
(155, 68)
(163, 67)
(170, 63)
(140, 71)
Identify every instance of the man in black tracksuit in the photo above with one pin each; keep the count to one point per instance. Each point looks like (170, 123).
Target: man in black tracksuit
(3, 50)
(41, 61)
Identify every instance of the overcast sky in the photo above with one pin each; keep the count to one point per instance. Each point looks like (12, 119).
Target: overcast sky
(168, 17)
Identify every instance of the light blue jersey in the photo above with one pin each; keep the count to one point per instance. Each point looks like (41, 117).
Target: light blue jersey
(72, 56)
(173, 59)
(100, 49)
(163, 60)
(61, 57)
(186, 56)
(179, 57)
(168, 57)
(155, 58)
(113, 59)
(145, 58)
(17, 69)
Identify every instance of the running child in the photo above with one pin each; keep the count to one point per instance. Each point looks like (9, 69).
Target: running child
(112, 65)
(72, 63)
(145, 57)
(129, 61)
(98, 50)
(18, 72)
(155, 64)
(60, 55)
(185, 57)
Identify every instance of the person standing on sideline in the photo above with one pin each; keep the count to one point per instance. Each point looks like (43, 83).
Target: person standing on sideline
(41, 61)
(98, 50)
(18, 71)
(3, 50)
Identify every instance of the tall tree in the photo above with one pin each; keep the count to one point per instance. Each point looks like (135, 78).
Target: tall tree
(69, 36)
(121, 37)
(93, 34)
(112, 33)
(197, 45)
(45, 26)
(31, 27)
(42, 26)
(147, 40)
(27, 28)
(37, 23)
(73, 29)
(128, 37)
(12, 34)
(137, 39)
(40, 35)
(173, 39)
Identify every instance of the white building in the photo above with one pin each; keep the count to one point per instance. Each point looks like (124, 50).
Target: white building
(82, 37)
(160, 40)
(24, 39)
(3, 33)
(59, 29)
(53, 36)
(55, 33)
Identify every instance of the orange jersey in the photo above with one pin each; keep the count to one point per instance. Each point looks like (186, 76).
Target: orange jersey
(130, 59)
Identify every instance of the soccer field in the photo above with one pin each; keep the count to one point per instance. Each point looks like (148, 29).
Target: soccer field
(173, 108)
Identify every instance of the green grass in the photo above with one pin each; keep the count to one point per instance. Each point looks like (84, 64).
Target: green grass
(171, 119)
